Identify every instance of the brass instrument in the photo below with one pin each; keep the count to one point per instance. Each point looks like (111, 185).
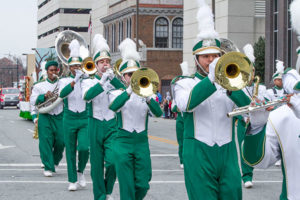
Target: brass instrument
(144, 82)
(252, 108)
(36, 131)
(88, 66)
(233, 71)
(51, 102)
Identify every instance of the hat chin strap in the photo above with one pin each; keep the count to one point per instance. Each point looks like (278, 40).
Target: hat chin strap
(198, 65)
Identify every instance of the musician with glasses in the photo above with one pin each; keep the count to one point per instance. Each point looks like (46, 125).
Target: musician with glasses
(102, 121)
(210, 153)
(75, 120)
(51, 138)
(131, 147)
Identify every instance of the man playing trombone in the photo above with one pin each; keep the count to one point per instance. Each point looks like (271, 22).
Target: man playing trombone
(51, 139)
(210, 154)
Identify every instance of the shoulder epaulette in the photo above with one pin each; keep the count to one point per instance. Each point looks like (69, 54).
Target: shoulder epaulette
(43, 80)
(287, 70)
(177, 78)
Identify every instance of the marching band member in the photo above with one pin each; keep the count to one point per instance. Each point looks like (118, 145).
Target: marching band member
(277, 91)
(102, 121)
(131, 147)
(75, 120)
(179, 119)
(276, 136)
(51, 139)
(241, 122)
(209, 155)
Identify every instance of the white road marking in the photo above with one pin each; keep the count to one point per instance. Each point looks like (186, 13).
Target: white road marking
(32, 131)
(5, 147)
(65, 169)
(89, 182)
(164, 155)
(11, 121)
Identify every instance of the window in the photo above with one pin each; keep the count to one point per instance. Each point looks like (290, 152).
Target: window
(289, 38)
(128, 33)
(113, 38)
(161, 33)
(120, 32)
(177, 33)
(275, 31)
(106, 32)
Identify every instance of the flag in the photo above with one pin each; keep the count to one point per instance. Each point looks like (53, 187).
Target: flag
(90, 25)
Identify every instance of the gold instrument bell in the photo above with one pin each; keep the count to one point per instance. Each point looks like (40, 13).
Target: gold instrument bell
(88, 66)
(144, 82)
(233, 71)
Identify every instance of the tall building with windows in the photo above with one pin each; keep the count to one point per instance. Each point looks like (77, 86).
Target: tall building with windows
(240, 21)
(159, 28)
(281, 41)
(55, 16)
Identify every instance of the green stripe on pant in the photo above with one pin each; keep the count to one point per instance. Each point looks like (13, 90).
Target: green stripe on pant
(102, 135)
(51, 140)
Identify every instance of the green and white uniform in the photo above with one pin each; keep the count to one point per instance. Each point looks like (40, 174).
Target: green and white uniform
(279, 139)
(75, 124)
(131, 148)
(275, 93)
(210, 153)
(179, 132)
(50, 126)
(241, 123)
(102, 131)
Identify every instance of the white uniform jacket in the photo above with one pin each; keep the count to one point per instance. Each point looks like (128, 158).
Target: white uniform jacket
(75, 102)
(100, 103)
(40, 89)
(209, 121)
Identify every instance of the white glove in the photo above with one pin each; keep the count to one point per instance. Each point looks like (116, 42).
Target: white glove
(129, 90)
(104, 78)
(258, 119)
(35, 120)
(148, 99)
(212, 66)
(110, 73)
(78, 75)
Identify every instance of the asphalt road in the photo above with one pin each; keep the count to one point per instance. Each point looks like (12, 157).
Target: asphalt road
(21, 176)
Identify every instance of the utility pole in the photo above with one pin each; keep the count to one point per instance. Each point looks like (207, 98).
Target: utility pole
(137, 25)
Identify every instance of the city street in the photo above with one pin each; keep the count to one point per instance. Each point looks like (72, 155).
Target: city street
(21, 176)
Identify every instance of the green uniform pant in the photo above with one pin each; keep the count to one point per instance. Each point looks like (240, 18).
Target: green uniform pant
(179, 135)
(247, 171)
(102, 134)
(76, 138)
(211, 173)
(133, 164)
(51, 140)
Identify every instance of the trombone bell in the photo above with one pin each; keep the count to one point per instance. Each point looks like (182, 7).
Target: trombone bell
(144, 82)
(233, 71)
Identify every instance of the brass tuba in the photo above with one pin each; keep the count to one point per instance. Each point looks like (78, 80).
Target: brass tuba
(144, 82)
(233, 71)
(62, 42)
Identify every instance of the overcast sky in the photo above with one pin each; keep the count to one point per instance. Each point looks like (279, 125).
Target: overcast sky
(18, 22)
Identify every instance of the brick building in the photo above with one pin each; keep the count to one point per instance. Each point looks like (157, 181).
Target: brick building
(160, 33)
